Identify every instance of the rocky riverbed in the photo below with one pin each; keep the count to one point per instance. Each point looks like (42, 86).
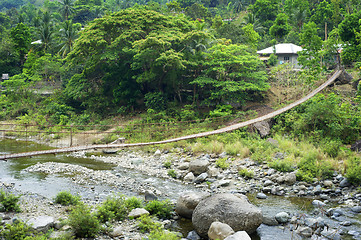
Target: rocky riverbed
(331, 208)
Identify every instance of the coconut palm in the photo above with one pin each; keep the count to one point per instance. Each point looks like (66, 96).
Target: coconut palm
(68, 34)
(67, 8)
(251, 18)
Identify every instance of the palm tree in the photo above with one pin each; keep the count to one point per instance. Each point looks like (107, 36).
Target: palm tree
(299, 17)
(68, 34)
(251, 18)
(67, 8)
(45, 32)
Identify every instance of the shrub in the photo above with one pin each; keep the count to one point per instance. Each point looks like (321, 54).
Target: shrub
(282, 165)
(353, 171)
(222, 163)
(132, 203)
(167, 164)
(9, 202)
(161, 209)
(83, 222)
(65, 198)
(16, 231)
(221, 111)
(163, 235)
(243, 172)
(331, 147)
(172, 173)
(147, 224)
(155, 100)
(113, 208)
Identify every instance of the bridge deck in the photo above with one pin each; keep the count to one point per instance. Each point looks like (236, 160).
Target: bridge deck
(204, 134)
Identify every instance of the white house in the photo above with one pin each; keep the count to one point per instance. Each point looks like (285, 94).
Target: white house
(285, 52)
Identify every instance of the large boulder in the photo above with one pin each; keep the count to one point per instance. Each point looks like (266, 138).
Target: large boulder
(234, 210)
(263, 128)
(41, 223)
(187, 202)
(199, 166)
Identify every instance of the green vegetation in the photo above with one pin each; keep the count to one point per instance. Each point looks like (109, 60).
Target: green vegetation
(244, 172)
(161, 209)
(9, 202)
(222, 163)
(83, 222)
(20, 231)
(66, 198)
(172, 173)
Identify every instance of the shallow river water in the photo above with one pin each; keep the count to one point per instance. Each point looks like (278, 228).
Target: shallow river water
(12, 172)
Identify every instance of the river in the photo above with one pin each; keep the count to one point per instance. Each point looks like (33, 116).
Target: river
(48, 185)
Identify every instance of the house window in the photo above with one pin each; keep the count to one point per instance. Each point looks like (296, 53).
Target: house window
(286, 58)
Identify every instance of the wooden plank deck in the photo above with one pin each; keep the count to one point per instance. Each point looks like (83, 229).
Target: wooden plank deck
(199, 135)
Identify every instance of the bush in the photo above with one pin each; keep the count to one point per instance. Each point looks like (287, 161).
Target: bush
(222, 163)
(353, 171)
(9, 202)
(161, 209)
(83, 222)
(113, 208)
(282, 166)
(16, 231)
(163, 235)
(243, 172)
(132, 203)
(66, 198)
(155, 100)
(167, 164)
(221, 111)
(147, 224)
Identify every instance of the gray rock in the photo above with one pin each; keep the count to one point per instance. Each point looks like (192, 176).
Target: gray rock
(270, 221)
(223, 155)
(157, 153)
(290, 178)
(331, 234)
(318, 203)
(356, 209)
(328, 183)
(213, 172)
(198, 166)
(201, 178)
(149, 196)
(137, 161)
(183, 166)
(138, 212)
(41, 223)
(315, 223)
(346, 223)
(221, 183)
(304, 232)
(263, 128)
(189, 177)
(219, 230)
(240, 235)
(268, 183)
(187, 202)
(234, 210)
(261, 196)
(345, 183)
(193, 235)
(356, 146)
(117, 232)
(282, 217)
(274, 142)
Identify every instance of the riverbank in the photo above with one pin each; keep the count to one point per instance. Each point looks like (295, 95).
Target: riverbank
(162, 173)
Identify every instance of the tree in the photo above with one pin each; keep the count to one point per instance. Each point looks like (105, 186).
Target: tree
(280, 27)
(21, 38)
(67, 8)
(266, 11)
(68, 34)
(310, 57)
(198, 11)
(250, 36)
(232, 75)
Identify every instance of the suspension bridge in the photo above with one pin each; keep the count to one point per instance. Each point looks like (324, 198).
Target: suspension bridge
(233, 127)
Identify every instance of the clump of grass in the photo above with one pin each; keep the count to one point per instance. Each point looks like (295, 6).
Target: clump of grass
(213, 146)
(353, 170)
(244, 172)
(161, 209)
(172, 173)
(9, 202)
(167, 164)
(282, 165)
(236, 148)
(147, 224)
(222, 163)
(65, 198)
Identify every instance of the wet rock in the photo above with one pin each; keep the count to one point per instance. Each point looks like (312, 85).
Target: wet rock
(138, 212)
(304, 232)
(41, 223)
(261, 196)
(282, 217)
(201, 178)
(193, 235)
(318, 203)
(187, 202)
(331, 234)
(189, 177)
(219, 230)
(240, 235)
(234, 210)
(290, 179)
(345, 183)
(198, 166)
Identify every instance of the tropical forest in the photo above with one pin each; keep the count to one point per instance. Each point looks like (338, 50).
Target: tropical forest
(104, 82)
